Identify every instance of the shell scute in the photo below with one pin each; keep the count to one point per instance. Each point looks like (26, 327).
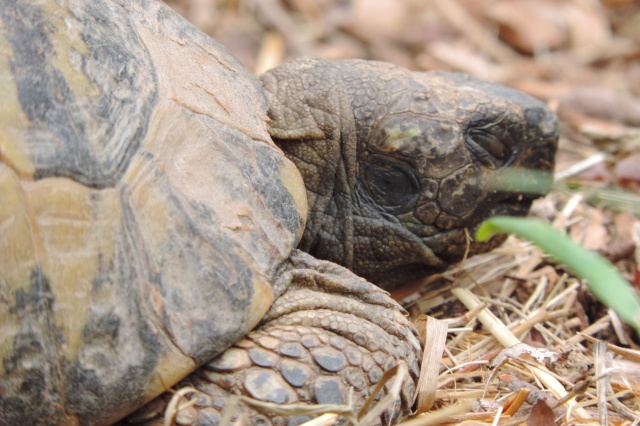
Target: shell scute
(145, 210)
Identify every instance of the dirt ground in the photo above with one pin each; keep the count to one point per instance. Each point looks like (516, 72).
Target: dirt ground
(582, 57)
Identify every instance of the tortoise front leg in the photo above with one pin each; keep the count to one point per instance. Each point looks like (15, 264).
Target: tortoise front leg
(327, 339)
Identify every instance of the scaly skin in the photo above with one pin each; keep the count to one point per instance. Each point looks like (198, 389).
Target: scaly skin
(397, 164)
(144, 209)
(328, 339)
(148, 222)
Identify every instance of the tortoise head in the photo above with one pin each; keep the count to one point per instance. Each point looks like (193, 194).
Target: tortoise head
(399, 164)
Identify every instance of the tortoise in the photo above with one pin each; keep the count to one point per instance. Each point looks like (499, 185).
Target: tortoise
(163, 212)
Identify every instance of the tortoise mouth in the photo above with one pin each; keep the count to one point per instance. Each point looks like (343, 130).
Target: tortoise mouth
(449, 245)
(513, 204)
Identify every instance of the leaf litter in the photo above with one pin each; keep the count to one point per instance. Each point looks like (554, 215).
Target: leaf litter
(514, 339)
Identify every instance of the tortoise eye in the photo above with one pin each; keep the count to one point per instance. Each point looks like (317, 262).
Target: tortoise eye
(487, 147)
(391, 184)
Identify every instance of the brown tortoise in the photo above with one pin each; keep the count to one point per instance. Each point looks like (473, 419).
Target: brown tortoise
(148, 221)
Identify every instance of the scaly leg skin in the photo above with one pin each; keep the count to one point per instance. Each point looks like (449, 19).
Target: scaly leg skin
(330, 334)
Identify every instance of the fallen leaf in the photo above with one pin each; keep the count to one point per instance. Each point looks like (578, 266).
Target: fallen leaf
(628, 169)
(541, 415)
(591, 232)
(587, 24)
(520, 350)
(376, 20)
(603, 103)
(529, 26)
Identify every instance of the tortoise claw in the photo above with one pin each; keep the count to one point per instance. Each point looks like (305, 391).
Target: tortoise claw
(328, 339)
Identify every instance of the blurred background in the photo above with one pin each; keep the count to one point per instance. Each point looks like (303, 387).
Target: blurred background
(526, 42)
(581, 56)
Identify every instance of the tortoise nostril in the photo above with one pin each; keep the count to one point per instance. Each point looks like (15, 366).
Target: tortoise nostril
(487, 147)
(489, 142)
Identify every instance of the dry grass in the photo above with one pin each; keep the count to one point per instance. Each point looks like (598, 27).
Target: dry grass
(561, 52)
(510, 341)
(518, 333)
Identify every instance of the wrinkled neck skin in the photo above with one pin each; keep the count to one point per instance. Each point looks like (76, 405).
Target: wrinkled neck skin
(397, 165)
(313, 123)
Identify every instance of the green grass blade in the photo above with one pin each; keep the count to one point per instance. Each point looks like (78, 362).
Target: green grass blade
(603, 279)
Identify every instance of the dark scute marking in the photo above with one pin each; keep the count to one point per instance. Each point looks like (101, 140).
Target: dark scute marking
(161, 16)
(292, 349)
(201, 266)
(30, 391)
(87, 138)
(298, 420)
(118, 349)
(294, 373)
(275, 195)
(230, 268)
(38, 299)
(208, 417)
(262, 357)
(89, 393)
(328, 391)
(262, 384)
(225, 281)
(329, 358)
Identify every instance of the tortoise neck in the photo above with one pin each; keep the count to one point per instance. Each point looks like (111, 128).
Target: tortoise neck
(329, 177)
(312, 121)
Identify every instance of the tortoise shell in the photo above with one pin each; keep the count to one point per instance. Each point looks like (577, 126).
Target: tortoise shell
(133, 184)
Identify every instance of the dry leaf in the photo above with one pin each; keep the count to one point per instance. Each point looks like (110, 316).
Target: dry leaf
(541, 415)
(375, 20)
(529, 26)
(603, 103)
(590, 232)
(598, 172)
(628, 169)
(519, 350)
(587, 23)
(436, 333)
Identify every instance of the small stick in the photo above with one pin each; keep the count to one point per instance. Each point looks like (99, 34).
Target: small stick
(508, 339)
(436, 333)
